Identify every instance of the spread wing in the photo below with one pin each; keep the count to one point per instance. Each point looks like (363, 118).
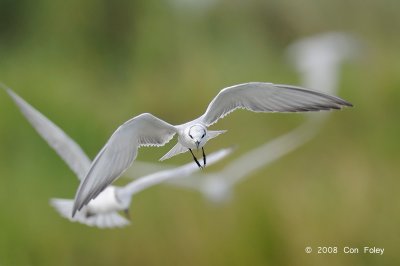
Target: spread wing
(268, 97)
(65, 147)
(119, 153)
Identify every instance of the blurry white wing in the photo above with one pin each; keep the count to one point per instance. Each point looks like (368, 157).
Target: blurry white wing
(101, 220)
(119, 153)
(268, 97)
(194, 182)
(65, 147)
(269, 152)
(140, 168)
(178, 172)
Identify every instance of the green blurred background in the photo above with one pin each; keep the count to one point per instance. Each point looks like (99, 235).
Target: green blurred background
(91, 65)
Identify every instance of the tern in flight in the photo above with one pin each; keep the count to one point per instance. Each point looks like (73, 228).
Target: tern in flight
(318, 60)
(147, 130)
(103, 211)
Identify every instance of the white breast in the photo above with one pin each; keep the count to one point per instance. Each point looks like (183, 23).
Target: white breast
(186, 141)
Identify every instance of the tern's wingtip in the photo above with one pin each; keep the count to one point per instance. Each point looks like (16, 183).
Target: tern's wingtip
(346, 104)
(75, 208)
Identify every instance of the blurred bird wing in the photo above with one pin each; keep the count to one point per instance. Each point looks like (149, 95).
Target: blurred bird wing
(269, 152)
(57, 139)
(268, 97)
(178, 172)
(140, 168)
(119, 153)
(195, 182)
(102, 220)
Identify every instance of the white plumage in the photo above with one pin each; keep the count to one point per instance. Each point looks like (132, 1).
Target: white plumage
(101, 212)
(147, 130)
(317, 59)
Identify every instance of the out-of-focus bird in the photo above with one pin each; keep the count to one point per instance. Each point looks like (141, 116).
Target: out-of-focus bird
(318, 58)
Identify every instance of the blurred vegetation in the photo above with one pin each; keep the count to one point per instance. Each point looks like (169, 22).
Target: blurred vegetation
(90, 65)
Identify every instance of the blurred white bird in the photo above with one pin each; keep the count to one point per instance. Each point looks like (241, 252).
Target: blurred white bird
(103, 211)
(147, 130)
(318, 59)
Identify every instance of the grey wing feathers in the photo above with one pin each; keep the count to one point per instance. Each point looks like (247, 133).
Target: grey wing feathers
(119, 153)
(65, 147)
(268, 97)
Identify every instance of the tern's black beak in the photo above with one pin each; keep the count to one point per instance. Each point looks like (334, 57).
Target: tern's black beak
(197, 144)
(204, 157)
(195, 159)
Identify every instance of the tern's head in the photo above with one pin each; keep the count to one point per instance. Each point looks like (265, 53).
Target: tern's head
(198, 134)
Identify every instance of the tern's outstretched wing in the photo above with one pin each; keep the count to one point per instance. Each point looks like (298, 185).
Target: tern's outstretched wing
(268, 97)
(119, 153)
(65, 147)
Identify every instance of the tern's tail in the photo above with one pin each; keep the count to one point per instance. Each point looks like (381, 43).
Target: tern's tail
(102, 220)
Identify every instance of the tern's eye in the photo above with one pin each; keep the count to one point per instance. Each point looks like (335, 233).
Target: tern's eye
(190, 136)
(203, 135)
